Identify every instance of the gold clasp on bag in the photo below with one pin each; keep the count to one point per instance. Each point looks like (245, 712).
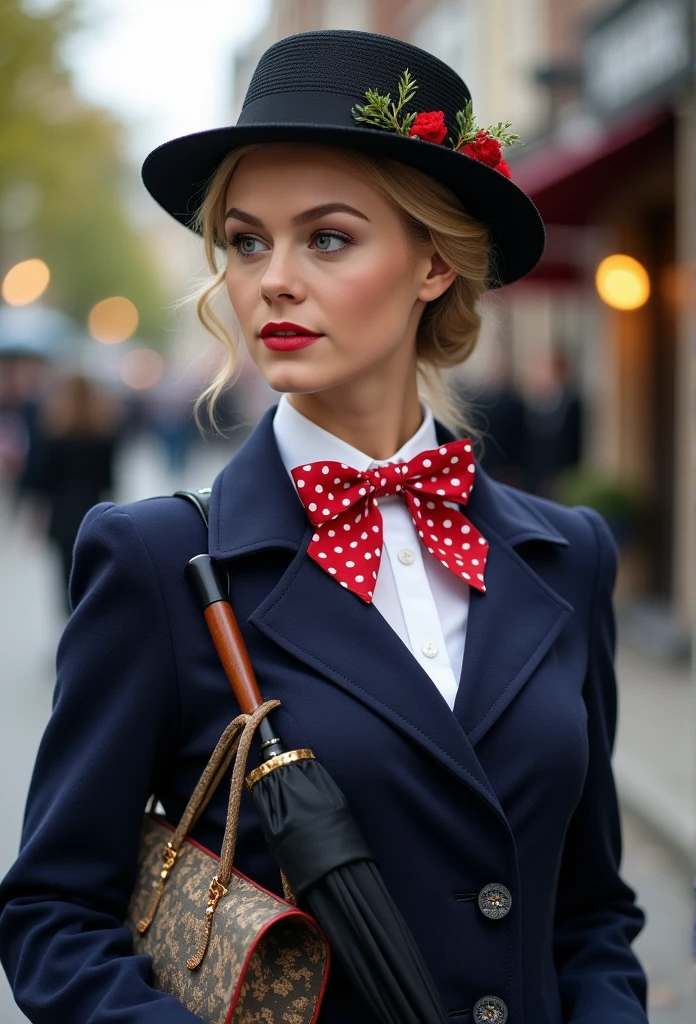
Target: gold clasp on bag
(215, 893)
(169, 857)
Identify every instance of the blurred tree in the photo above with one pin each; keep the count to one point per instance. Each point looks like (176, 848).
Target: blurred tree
(64, 183)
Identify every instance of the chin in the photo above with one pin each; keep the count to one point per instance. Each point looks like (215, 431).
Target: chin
(298, 380)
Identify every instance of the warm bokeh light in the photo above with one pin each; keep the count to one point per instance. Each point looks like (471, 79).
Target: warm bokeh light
(142, 368)
(622, 282)
(25, 282)
(113, 320)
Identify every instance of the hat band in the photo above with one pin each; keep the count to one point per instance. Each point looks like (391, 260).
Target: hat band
(324, 109)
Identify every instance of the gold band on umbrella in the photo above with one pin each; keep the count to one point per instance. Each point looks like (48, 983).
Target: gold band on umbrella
(287, 757)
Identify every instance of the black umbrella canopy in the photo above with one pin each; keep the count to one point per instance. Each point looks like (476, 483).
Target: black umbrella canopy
(318, 845)
(330, 868)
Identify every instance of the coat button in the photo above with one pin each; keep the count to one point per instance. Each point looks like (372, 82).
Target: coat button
(490, 1010)
(494, 900)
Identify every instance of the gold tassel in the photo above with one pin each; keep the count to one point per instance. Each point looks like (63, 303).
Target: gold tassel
(215, 892)
(169, 857)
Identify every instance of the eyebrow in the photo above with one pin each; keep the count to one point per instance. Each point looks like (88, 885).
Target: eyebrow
(301, 218)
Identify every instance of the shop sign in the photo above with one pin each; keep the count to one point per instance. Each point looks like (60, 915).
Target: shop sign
(643, 50)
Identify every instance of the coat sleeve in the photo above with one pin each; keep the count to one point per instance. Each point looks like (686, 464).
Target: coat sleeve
(600, 979)
(68, 957)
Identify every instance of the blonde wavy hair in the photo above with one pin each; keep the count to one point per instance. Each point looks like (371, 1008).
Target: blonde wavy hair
(449, 326)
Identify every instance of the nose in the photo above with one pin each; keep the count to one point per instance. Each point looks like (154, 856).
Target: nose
(281, 278)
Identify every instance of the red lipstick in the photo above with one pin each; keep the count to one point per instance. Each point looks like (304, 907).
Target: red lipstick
(286, 337)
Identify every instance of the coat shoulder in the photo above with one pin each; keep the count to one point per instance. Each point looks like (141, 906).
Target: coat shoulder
(585, 531)
(169, 528)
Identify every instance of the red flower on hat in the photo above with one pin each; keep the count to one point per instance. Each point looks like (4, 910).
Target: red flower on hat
(430, 126)
(485, 149)
(488, 151)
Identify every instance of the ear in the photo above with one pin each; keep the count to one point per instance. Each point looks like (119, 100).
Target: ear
(439, 276)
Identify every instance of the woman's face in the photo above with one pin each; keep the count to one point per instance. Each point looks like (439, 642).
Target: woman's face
(312, 246)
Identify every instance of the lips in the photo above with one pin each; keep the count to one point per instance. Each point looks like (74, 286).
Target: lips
(286, 336)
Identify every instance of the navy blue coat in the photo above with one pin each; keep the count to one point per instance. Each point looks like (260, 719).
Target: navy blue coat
(515, 786)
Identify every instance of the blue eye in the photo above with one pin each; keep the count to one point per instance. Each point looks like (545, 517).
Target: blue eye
(323, 242)
(245, 244)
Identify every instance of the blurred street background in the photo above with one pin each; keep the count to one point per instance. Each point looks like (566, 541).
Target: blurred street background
(583, 384)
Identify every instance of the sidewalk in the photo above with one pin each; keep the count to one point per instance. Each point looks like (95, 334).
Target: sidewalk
(655, 753)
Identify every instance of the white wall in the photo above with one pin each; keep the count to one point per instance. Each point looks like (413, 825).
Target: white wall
(494, 46)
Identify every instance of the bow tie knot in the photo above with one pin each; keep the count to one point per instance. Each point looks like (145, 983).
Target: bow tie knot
(342, 505)
(388, 479)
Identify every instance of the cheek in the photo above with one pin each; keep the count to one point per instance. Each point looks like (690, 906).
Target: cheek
(241, 291)
(368, 292)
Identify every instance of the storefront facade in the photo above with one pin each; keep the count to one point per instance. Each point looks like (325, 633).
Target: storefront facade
(617, 177)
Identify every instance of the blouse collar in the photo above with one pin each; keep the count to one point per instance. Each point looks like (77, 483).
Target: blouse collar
(300, 441)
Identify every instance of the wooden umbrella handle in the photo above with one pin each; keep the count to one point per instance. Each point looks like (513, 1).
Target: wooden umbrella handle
(233, 654)
(225, 632)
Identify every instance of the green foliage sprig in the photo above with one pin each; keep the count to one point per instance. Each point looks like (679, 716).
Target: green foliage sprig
(468, 130)
(380, 112)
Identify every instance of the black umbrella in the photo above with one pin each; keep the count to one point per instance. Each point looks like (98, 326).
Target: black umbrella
(319, 847)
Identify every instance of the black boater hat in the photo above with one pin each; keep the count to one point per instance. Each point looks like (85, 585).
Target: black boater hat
(306, 88)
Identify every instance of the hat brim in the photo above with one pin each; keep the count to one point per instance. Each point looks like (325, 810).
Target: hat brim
(177, 173)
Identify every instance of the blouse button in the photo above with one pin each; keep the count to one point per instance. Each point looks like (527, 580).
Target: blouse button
(429, 649)
(490, 1010)
(494, 900)
(406, 556)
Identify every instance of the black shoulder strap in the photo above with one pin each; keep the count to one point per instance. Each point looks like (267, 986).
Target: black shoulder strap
(199, 498)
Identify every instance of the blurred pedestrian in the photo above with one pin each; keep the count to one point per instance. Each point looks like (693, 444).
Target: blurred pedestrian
(551, 437)
(71, 464)
(169, 408)
(502, 411)
(24, 382)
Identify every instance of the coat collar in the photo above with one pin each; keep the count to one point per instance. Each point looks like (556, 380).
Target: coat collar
(254, 504)
(254, 507)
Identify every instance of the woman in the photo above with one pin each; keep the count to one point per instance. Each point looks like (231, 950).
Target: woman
(461, 695)
(72, 465)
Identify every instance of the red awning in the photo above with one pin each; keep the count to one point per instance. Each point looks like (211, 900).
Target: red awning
(568, 180)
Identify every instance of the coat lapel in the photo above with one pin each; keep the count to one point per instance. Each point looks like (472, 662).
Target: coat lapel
(254, 507)
(513, 625)
(350, 643)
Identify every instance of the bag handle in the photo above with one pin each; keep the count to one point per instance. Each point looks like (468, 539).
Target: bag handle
(246, 727)
(233, 744)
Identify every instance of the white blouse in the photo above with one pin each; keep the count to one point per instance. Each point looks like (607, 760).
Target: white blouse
(425, 604)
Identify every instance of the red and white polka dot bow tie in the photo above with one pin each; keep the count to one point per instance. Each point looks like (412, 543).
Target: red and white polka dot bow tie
(342, 504)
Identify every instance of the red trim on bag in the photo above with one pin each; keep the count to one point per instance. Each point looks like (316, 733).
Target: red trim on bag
(293, 911)
(322, 990)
